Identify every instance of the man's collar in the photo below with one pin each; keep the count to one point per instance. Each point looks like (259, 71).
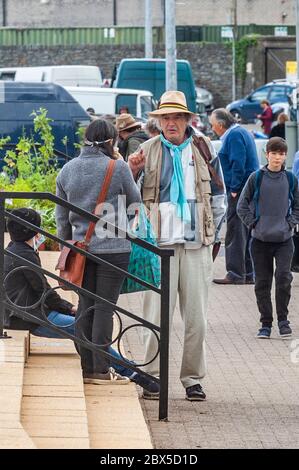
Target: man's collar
(228, 131)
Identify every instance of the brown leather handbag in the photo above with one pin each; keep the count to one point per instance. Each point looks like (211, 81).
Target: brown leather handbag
(70, 263)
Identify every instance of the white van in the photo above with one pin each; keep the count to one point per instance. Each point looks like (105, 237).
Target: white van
(71, 75)
(110, 100)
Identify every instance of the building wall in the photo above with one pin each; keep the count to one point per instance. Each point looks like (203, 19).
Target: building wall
(68, 13)
(210, 60)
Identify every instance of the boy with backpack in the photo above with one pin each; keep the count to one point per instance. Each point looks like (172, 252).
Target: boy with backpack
(269, 206)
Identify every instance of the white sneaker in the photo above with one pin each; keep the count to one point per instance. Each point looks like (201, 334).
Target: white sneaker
(110, 378)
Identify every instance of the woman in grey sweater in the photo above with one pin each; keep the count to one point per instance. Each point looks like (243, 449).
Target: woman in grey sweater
(80, 182)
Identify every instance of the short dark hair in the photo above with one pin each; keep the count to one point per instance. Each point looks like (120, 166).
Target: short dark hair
(17, 231)
(98, 132)
(276, 144)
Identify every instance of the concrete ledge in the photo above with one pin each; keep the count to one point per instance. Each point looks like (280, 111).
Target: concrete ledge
(115, 418)
(53, 406)
(13, 355)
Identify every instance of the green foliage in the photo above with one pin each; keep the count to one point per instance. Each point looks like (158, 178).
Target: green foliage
(80, 133)
(241, 53)
(32, 167)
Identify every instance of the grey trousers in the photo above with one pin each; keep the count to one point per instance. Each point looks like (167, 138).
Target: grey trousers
(190, 277)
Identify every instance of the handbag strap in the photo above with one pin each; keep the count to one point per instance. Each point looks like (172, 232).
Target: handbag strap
(101, 199)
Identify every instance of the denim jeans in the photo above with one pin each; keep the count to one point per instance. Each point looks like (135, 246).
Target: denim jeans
(263, 256)
(96, 324)
(68, 323)
(237, 255)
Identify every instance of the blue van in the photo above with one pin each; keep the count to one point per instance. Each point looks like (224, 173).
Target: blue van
(18, 100)
(149, 74)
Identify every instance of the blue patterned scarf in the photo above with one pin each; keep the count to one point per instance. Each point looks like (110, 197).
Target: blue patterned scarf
(177, 190)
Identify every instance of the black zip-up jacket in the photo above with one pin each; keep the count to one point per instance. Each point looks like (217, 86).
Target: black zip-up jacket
(25, 288)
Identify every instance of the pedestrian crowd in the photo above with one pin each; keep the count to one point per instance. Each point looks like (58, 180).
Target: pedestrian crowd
(188, 192)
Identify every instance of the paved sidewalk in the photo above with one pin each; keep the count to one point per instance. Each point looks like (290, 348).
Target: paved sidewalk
(252, 385)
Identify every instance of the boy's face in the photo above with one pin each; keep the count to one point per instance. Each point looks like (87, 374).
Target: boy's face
(276, 159)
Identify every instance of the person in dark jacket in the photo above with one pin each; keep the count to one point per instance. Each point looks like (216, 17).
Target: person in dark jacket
(130, 134)
(26, 287)
(238, 159)
(280, 129)
(271, 211)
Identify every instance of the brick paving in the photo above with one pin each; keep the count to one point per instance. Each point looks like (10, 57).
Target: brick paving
(252, 385)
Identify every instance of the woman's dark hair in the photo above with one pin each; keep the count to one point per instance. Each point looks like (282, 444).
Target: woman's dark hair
(276, 144)
(98, 132)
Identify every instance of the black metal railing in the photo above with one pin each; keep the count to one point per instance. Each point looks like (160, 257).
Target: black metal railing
(161, 332)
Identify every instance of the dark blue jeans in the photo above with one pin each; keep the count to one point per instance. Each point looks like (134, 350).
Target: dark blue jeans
(237, 255)
(68, 324)
(263, 256)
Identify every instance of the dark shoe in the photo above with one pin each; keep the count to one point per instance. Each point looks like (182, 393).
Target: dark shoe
(144, 382)
(249, 280)
(285, 330)
(227, 280)
(195, 393)
(264, 332)
(150, 395)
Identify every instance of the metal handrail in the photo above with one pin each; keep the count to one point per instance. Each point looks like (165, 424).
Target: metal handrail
(163, 291)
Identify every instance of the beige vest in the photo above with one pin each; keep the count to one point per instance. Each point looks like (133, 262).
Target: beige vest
(151, 188)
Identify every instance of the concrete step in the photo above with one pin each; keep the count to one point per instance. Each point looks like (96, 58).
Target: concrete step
(115, 418)
(13, 355)
(53, 405)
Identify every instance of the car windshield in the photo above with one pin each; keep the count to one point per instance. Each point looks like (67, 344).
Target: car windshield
(278, 93)
(260, 94)
(146, 106)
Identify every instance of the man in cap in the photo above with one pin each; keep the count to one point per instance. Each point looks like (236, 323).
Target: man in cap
(130, 134)
(183, 189)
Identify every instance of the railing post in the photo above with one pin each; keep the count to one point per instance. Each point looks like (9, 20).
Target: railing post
(164, 338)
(2, 228)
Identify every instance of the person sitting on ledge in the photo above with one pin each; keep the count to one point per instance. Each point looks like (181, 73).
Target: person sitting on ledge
(25, 287)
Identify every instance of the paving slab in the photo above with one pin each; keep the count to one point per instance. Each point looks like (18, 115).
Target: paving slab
(251, 384)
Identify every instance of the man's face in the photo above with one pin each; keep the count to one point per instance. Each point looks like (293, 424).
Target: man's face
(174, 127)
(216, 126)
(123, 135)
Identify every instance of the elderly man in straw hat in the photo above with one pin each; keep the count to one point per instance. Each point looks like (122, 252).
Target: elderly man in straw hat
(130, 134)
(183, 189)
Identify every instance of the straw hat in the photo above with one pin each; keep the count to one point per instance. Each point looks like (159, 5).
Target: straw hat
(171, 102)
(126, 121)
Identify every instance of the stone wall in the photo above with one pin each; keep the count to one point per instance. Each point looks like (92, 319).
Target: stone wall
(211, 63)
(74, 13)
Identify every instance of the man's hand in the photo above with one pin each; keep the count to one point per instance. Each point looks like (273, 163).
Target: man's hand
(233, 194)
(136, 162)
(73, 311)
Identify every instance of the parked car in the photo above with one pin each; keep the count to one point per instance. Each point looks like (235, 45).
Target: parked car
(206, 97)
(149, 74)
(111, 100)
(20, 99)
(71, 75)
(249, 107)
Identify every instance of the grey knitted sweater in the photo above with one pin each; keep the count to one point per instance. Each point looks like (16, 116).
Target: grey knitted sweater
(79, 182)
